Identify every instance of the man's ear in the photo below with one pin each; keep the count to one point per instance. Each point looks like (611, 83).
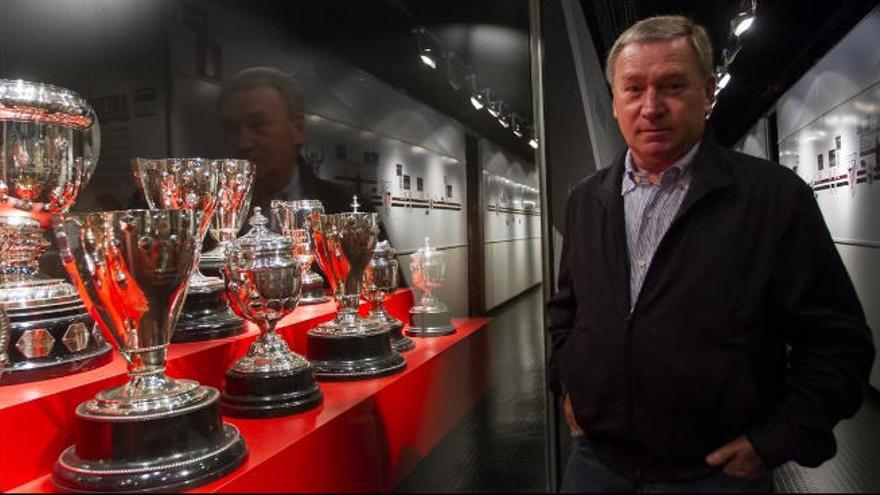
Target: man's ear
(709, 96)
(298, 129)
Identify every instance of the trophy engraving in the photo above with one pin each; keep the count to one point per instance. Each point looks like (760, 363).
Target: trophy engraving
(153, 433)
(430, 318)
(349, 347)
(263, 280)
(49, 142)
(192, 183)
(295, 219)
(380, 279)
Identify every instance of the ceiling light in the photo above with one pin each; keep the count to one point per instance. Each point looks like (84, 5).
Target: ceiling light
(477, 101)
(533, 142)
(494, 108)
(723, 81)
(426, 55)
(516, 125)
(742, 23)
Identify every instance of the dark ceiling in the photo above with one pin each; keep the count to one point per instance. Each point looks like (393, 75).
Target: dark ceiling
(491, 37)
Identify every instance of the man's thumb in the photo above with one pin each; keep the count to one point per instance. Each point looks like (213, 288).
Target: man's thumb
(720, 456)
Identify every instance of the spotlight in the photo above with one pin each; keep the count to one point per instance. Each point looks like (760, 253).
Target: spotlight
(517, 126)
(503, 120)
(426, 55)
(533, 142)
(477, 98)
(478, 101)
(493, 107)
(742, 22)
(723, 81)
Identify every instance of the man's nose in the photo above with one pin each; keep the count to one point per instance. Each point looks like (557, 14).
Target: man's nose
(653, 105)
(244, 140)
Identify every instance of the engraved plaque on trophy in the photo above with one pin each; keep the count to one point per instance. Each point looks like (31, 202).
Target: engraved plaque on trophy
(430, 317)
(192, 183)
(49, 143)
(295, 219)
(263, 280)
(154, 433)
(349, 347)
(380, 279)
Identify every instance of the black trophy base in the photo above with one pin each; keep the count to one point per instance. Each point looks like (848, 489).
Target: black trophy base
(430, 323)
(206, 315)
(52, 341)
(172, 452)
(270, 394)
(339, 356)
(399, 341)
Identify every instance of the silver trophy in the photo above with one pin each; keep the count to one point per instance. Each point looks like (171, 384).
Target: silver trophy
(4, 340)
(233, 204)
(295, 219)
(430, 318)
(153, 433)
(49, 145)
(263, 280)
(191, 183)
(349, 347)
(380, 279)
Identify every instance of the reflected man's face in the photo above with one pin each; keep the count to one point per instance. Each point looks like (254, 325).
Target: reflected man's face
(661, 99)
(258, 126)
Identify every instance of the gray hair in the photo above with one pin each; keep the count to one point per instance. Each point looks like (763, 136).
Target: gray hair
(267, 76)
(664, 28)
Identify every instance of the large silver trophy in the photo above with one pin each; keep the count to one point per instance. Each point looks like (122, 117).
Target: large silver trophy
(430, 318)
(349, 347)
(192, 183)
(380, 279)
(295, 220)
(263, 280)
(236, 190)
(49, 144)
(154, 433)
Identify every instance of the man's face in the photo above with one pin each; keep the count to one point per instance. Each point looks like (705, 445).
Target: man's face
(660, 100)
(258, 126)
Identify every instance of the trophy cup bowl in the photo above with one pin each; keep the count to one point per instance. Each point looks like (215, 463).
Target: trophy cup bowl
(153, 433)
(49, 145)
(380, 279)
(295, 218)
(349, 347)
(233, 204)
(263, 280)
(191, 183)
(4, 340)
(430, 318)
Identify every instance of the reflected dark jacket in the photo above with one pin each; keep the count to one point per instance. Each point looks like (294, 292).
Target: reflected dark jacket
(746, 270)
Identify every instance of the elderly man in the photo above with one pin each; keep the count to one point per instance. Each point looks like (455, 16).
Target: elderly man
(705, 330)
(261, 111)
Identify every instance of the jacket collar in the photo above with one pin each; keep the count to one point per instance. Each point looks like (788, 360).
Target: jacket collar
(711, 171)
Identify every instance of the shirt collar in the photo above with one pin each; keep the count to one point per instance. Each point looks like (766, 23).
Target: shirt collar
(633, 177)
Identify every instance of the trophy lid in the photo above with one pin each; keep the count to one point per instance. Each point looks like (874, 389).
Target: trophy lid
(384, 250)
(260, 239)
(45, 104)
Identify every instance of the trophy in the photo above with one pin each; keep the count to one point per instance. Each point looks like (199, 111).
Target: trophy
(4, 340)
(236, 189)
(380, 279)
(294, 217)
(263, 281)
(349, 347)
(430, 318)
(49, 145)
(153, 433)
(191, 183)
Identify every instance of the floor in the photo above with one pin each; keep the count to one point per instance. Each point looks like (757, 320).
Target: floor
(500, 445)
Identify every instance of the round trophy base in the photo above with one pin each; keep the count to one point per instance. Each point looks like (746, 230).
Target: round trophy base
(312, 289)
(341, 356)
(430, 322)
(270, 394)
(161, 452)
(399, 341)
(206, 315)
(52, 341)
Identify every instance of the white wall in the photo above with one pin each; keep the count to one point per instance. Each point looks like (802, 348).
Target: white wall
(755, 141)
(829, 129)
(511, 225)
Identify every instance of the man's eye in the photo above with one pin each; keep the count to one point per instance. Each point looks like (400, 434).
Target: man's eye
(632, 89)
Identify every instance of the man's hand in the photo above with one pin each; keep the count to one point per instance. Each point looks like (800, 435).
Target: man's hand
(576, 430)
(738, 458)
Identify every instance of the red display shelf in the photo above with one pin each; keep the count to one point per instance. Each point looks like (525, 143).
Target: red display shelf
(366, 436)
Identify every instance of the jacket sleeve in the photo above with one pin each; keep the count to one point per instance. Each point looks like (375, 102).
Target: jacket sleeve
(830, 345)
(561, 309)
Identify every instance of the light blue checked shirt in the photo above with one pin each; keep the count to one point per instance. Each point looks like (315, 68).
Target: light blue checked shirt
(649, 211)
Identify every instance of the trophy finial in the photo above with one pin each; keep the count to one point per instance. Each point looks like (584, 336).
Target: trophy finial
(258, 220)
(354, 204)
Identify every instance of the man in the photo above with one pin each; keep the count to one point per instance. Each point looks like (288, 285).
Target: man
(705, 330)
(261, 111)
